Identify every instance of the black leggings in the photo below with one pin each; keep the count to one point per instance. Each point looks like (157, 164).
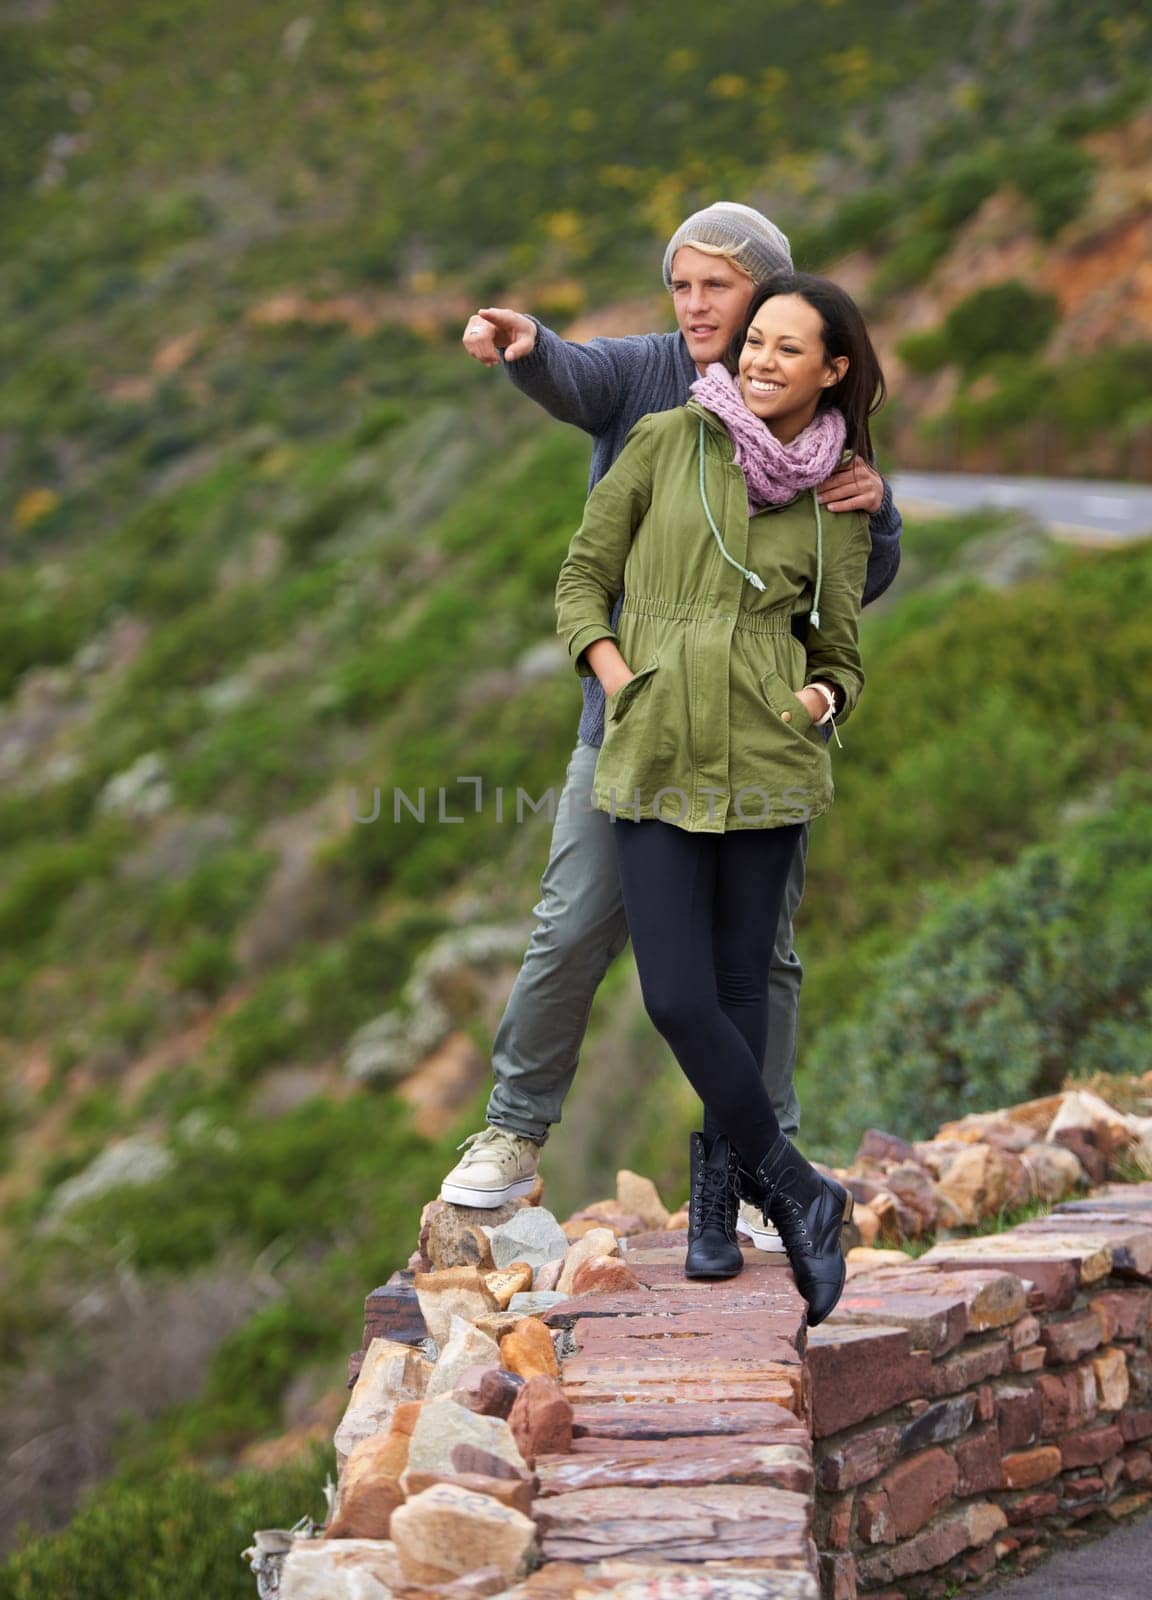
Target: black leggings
(702, 911)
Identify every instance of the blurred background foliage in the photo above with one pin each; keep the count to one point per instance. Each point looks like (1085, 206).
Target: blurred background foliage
(268, 542)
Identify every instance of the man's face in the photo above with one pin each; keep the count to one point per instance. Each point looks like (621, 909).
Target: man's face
(711, 296)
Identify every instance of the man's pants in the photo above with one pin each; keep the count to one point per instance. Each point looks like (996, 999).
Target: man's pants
(580, 930)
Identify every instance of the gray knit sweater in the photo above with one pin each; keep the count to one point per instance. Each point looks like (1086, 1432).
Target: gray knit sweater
(605, 387)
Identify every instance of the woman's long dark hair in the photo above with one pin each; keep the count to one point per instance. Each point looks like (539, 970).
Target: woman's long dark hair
(862, 390)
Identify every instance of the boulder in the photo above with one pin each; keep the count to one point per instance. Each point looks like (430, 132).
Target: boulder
(466, 1347)
(447, 1531)
(391, 1374)
(533, 1235)
(489, 1391)
(370, 1488)
(639, 1197)
(514, 1279)
(340, 1569)
(528, 1350)
(451, 1292)
(541, 1419)
(443, 1425)
(597, 1242)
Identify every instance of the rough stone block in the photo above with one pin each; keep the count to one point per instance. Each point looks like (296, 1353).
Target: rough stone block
(340, 1569)
(1068, 1338)
(1090, 1448)
(639, 1196)
(1111, 1369)
(391, 1374)
(945, 1420)
(1125, 1313)
(970, 1527)
(532, 1235)
(1019, 1415)
(1135, 1425)
(393, 1312)
(489, 1391)
(979, 1463)
(451, 1292)
(370, 1488)
(541, 1419)
(858, 1373)
(969, 1366)
(443, 1426)
(1023, 1469)
(514, 1279)
(601, 1274)
(447, 1531)
(906, 1497)
(466, 1347)
(515, 1492)
(528, 1350)
(845, 1463)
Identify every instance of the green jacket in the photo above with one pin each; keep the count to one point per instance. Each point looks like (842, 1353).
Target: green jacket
(710, 734)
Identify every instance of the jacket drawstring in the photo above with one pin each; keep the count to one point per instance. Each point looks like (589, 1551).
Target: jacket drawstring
(754, 578)
(814, 619)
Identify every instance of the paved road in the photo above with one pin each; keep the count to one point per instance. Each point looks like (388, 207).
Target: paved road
(1117, 1567)
(1085, 510)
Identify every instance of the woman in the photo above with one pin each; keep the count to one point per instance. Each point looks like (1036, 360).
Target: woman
(737, 648)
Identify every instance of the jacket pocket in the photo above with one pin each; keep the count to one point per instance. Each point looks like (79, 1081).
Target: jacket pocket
(787, 705)
(618, 703)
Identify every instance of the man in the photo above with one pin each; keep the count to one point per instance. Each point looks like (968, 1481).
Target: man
(713, 263)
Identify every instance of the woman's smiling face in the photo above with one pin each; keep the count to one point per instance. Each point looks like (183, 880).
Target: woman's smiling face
(784, 368)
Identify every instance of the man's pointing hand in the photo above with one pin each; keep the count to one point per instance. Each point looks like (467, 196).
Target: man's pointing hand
(495, 329)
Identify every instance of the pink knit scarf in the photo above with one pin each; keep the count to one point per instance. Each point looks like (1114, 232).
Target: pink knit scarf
(774, 472)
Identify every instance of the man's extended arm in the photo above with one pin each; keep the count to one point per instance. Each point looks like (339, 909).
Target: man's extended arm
(583, 384)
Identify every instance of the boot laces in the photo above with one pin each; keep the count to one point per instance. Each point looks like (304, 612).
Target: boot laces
(782, 1208)
(712, 1197)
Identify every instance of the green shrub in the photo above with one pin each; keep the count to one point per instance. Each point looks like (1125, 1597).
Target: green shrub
(44, 623)
(172, 1533)
(1055, 177)
(961, 188)
(1043, 970)
(205, 965)
(911, 261)
(43, 878)
(1004, 320)
(925, 353)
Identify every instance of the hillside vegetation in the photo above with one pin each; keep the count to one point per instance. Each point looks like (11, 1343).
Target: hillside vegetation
(269, 542)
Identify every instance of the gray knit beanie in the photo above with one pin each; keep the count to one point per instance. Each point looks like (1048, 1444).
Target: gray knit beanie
(756, 244)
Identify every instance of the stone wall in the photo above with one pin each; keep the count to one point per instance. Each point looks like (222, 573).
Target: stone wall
(547, 1409)
(970, 1406)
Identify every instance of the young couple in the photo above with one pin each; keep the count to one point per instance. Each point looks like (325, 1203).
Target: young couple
(711, 608)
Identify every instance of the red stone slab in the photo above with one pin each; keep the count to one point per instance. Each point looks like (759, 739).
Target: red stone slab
(936, 1323)
(775, 1388)
(730, 1522)
(1129, 1239)
(686, 1418)
(630, 1339)
(785, 1463)
(1055, 1279)
(858, 1373)
(778, 1301)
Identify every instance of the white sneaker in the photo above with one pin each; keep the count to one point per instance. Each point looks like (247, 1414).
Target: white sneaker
(751, 1225)
(498, 1165)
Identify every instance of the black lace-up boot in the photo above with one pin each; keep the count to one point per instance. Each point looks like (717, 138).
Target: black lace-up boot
(713, 1251)
(809, 1211)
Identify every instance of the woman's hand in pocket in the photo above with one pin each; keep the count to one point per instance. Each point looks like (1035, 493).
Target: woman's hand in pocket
(609, 666)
